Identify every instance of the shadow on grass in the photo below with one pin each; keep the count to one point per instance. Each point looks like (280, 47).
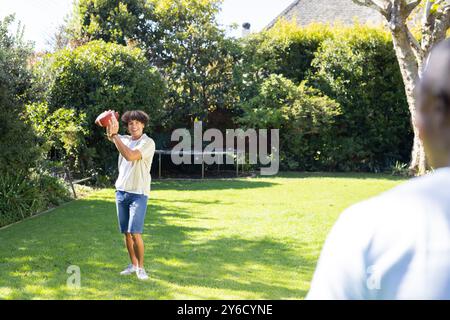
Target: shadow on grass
(35, 255)
(224, 262)
(339, 175)
(203, 185)
(258, 182)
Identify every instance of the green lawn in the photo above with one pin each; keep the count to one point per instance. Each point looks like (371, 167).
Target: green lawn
(223, 239)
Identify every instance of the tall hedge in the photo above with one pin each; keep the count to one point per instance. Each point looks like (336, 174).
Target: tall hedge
(304, 116)
(24, 189)
(18, 151)
(284, 49)
(353, 66)
(358, 68)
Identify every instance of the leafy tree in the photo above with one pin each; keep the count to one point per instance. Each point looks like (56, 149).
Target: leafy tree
(199, 66)
(182, 39)
(120, 21)
(17, 146)
(62, 131)
(77, 85)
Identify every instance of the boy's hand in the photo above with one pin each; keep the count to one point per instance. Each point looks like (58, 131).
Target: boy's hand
(112, 128)
(108, 133)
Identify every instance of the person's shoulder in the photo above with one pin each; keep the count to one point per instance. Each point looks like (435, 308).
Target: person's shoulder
(408, 199)
(368, 211)
(428, 187)
(147, 139)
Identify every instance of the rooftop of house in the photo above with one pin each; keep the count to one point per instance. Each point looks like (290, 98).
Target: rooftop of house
(328, 11)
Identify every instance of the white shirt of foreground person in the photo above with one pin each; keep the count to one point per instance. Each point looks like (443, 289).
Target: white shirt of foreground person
(393, 246)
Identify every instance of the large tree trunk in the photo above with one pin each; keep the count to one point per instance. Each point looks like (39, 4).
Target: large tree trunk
(418, 165)
(409, 68)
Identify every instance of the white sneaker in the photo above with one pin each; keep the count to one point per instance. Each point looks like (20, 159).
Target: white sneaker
(129, 270)
(141, 274)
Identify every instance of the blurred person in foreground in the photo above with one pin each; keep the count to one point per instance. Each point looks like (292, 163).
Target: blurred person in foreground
(397, 245)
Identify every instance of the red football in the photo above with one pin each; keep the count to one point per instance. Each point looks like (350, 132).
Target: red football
(103, 119)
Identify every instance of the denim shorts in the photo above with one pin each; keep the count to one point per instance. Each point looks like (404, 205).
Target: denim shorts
(131, 210)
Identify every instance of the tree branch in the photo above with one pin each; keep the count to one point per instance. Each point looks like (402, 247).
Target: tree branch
(415, 46)
(395, 18)
(427, 27)
(443, 6)
(442, 22)
(438, 2)
(435, 25)
(426, 13)
(411, 6)
(380, 6)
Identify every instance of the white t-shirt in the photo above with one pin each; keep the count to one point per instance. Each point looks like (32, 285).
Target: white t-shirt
(134, 176)
(393, 246)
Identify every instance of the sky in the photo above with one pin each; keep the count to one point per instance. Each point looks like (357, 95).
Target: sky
(42, 17)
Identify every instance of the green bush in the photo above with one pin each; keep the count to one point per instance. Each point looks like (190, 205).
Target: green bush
(22, 194)
(21, 197)
(104, 181)
(284, 49)
(400, 169)
(354, 66)
(62, 131)
(304, 116)
(78, 85)
(18, 150)
(55, 191)
(358, 68)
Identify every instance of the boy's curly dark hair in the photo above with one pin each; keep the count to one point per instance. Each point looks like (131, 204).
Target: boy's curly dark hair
(138, 115)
